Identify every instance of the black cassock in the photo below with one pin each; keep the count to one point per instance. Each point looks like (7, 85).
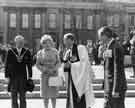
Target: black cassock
(77, 102)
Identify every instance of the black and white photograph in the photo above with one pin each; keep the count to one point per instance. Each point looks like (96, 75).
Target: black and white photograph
(67, 53)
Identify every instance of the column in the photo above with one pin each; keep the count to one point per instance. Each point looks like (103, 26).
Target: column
(30, 27)
(5, 19)
(61, 25)
(18, 22)
(43, 24)
(126, 21)
(103, 18)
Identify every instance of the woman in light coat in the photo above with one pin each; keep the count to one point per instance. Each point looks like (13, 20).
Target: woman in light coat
(48, 63)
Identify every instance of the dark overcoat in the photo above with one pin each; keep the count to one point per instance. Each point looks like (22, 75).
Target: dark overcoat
(115, 79)
(18, 72)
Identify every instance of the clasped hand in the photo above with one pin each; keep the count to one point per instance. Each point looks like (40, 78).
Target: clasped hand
(67, 65)
(115, 94)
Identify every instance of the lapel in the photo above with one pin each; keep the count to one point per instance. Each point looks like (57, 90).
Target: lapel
(109, 47)
(74, 50)
(16, 51)
(74, 53)
(22, 51)
(110, 44)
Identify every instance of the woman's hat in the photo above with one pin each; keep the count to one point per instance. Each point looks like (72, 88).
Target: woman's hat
(69, 36)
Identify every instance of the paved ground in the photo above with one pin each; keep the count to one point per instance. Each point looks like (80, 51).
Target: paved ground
(98, 70)
(61, 103)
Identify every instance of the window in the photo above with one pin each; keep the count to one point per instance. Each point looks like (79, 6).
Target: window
(52, 20)
(90, 22)
(116, 20)
(110, 20)
(98, 21)
(12, 18)
(67, 21)
(129, 20)
(132, 20)
(78, 21)
(37, 21)
(25, 20)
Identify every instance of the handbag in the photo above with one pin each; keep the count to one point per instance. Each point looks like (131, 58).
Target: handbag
(55, 81)
(30, 85)
(127, 60)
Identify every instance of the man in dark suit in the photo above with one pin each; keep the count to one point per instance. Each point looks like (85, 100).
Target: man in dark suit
(18, 70)
(115, 84)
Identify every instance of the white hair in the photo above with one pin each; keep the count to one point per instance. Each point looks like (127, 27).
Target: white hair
(68, 34)
(45, 37)
(100, 31)
(18, 37)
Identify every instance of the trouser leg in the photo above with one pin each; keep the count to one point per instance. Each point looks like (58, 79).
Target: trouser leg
(119, 102)
(111, 102)
(22, 99)
(108, 101)
(14, 99)
(68, 91)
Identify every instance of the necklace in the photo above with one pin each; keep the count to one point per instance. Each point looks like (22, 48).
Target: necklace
(19, 57)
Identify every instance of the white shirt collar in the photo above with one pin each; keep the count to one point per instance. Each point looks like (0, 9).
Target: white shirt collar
(19, 50)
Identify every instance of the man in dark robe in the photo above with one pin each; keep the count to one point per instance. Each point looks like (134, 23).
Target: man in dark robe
(18, 70)
(76, 94)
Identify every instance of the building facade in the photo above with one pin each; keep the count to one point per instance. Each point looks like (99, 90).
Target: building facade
(131, 16)
(33, 18)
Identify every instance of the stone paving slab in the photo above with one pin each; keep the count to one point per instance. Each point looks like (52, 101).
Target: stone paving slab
(61, 103)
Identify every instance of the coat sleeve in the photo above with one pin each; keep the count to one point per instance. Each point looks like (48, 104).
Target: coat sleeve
(29, 64)
(58, 61)
(39, 63)
(7, 69)
(118, 56)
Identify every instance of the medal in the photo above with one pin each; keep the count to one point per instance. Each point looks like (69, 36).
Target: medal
(19, 59)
